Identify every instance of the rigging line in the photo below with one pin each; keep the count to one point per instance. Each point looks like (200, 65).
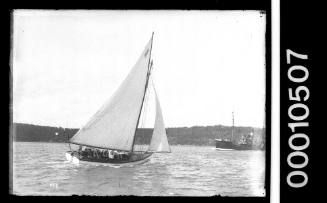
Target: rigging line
(148, 105)
(146, 85)
(150, 93)
(144, 114)
(143, 117)
(141, 120)
(154, 89)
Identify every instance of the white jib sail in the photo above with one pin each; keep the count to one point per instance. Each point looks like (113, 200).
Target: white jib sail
(159, 141)
(113, 126)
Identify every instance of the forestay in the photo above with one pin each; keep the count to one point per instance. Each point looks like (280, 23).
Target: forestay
(113, 126)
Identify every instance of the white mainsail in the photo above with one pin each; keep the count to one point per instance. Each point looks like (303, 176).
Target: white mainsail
(159, 141)
(114, 125)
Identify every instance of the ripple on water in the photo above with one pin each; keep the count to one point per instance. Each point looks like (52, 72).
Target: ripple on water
(41, 168)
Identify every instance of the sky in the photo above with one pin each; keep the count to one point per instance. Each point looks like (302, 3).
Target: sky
(207, 64)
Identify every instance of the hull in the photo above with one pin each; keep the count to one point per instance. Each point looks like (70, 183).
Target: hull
(134, 159)
(228, 145)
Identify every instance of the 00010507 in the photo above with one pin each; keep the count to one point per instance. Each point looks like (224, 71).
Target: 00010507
(294, 95)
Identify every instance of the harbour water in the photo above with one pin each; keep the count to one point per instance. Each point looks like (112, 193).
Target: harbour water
(42, 169)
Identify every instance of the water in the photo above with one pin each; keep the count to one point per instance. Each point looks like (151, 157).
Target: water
(42, 169)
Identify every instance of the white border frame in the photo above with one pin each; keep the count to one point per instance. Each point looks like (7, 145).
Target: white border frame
(275, 103)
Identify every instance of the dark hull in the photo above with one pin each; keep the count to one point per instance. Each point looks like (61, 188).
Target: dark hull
(228, 145)
(131, 159)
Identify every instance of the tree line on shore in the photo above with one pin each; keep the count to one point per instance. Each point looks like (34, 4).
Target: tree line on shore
(196, 135)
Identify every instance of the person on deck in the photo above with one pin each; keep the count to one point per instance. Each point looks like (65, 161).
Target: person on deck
(111, 154)
(116, 155)
(94, 153)
(80, 150)
(90, 153)
(105, 153)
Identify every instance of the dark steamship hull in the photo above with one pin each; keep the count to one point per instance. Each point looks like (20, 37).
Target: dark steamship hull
(228, 145)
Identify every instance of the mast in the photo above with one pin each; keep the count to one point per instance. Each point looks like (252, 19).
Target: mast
(232, 126)
(146, 86)
(67, 137)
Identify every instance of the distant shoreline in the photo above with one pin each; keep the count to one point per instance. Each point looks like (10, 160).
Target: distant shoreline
(196, 135)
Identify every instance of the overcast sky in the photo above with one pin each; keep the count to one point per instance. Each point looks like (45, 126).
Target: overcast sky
(66, 64)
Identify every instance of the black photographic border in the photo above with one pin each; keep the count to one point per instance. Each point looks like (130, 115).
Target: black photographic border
(301, 22)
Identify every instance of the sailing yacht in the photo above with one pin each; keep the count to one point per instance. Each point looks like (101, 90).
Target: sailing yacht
(109, 136)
